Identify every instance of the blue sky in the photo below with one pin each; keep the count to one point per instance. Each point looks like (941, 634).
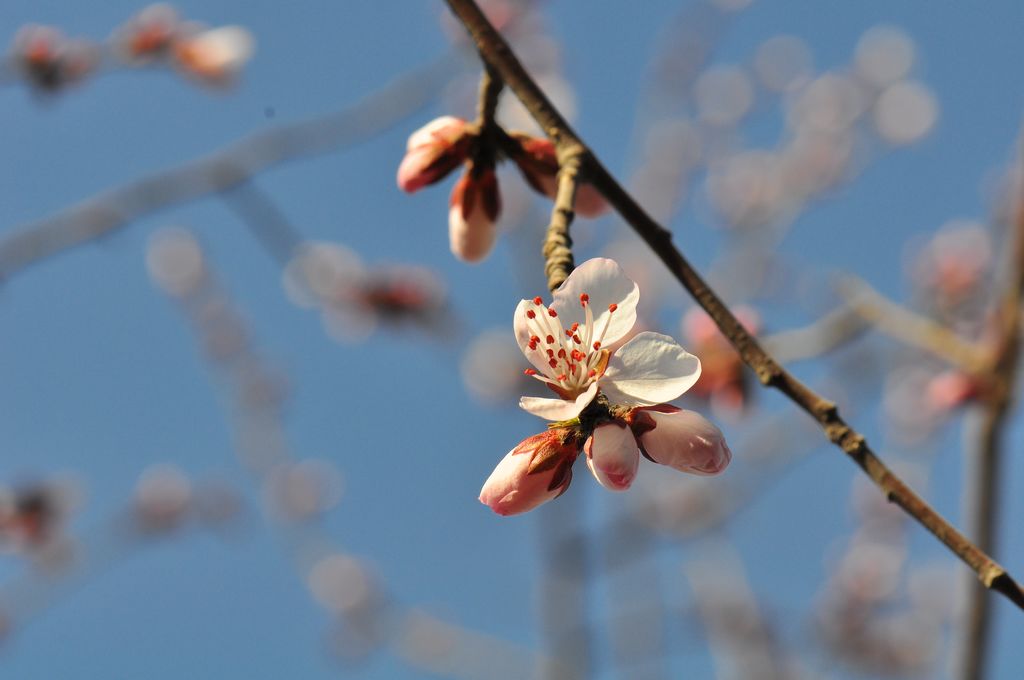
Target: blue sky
(102, 377)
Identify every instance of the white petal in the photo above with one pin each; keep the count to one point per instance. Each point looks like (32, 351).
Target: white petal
(520, 324)
(649, 369)
(558, 409)
(606, 284)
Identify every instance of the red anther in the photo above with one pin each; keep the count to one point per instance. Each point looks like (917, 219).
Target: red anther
(532, 344)
(575, 326)
(537, 301)
(530, 314)
(552, 363)
(597, 345)
(550, 339)
(552, 313)
(612, 307)
(551, 353)
(577, 355)
(568, 334)
(561, 354)
(530, 371)
(584, 299)
(563, 377)
(592, 374)
(576, 339)
(534, 338)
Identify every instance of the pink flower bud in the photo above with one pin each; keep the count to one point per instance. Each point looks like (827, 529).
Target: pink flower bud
(612, 455)
(536, 471)
(433, 151)
(538, 162)
(684, 440)
(214, 56)
(589, 201)
(475, 205)
(50, 60)
(148, 35)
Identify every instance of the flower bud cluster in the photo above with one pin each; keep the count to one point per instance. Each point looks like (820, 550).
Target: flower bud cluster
(50, 61)
(444, 144)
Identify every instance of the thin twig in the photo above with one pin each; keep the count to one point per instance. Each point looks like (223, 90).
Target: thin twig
(912, 329)
(838, 327)
(557, 250)
(996, 398)
(494, 50)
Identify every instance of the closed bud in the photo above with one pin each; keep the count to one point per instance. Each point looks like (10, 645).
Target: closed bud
(214, 56)
(474, 208)
(612, 455)
(433, 152)
(684, 440)
(534, 472)
(537, 160)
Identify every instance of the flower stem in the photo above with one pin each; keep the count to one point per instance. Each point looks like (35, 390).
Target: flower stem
(557, 250)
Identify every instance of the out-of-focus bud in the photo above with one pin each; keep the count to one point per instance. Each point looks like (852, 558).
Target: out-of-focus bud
(612, 455)
(434, 151)
(538, 162)
(49, 60)
(175, 262)
(214, 56)
(723, 378)
(474, 208)
(534, 472)
(148, 35)
(301, 491)
(950, 389)
(162, 498)
(32, 517)
(956, 262)
(684, 440)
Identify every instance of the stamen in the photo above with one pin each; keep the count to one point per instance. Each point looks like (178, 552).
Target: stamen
(531, 371)
(597, 345)
(538, 301)
(550, 339)
(552, 313)
(552, 363)
(592, 373)
(584, 299)
(530, 314)
(612, 307)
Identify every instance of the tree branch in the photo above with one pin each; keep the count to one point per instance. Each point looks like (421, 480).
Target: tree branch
(1001, 378)
(220, 170)
(496, 52)
(912, 329)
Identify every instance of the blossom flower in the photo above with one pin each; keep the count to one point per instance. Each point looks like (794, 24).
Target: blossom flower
(612, 401)
(214, 56)
(474, 208)
(433, 151)
(597, 304)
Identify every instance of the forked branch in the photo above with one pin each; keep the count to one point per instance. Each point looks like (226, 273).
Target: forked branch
(497, 54)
